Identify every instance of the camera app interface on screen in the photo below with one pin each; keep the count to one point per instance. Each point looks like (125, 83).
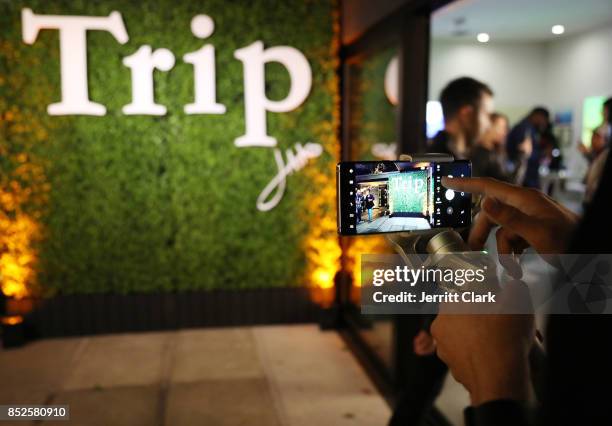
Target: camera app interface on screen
(395, 196)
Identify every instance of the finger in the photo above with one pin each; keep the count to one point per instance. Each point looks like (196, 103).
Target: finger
(526, 227)
(480, 231)
(508, 244)
(508, 194)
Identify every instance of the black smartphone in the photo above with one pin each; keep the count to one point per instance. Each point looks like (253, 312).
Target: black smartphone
(398, 196)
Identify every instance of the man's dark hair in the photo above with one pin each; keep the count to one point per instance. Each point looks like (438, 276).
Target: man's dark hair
(608, 104)
(460, 92)
(540, 110)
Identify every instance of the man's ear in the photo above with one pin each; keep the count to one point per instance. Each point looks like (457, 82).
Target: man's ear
(466, 114)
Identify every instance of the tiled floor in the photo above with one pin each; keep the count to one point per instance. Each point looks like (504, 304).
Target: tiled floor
(392, 224)
(277, 375)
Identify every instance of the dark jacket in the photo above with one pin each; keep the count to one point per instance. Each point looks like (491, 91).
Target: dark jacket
(440, 143)
(516, 136)
(369, 201)
(486, 163)
(489, 163)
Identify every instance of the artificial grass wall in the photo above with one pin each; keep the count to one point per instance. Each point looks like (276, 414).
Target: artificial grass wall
(373, 117)
(147, 204)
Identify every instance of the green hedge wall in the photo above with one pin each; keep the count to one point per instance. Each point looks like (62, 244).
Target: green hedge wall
(403, 191)
(373, 117)
(146, 204)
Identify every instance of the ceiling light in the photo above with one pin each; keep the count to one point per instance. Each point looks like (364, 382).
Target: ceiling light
(558, 29)
(483, 37)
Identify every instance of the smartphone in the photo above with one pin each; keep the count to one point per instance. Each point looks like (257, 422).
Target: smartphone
(398, 196)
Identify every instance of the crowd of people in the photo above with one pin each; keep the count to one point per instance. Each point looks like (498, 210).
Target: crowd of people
(489, 354)
(473, 130)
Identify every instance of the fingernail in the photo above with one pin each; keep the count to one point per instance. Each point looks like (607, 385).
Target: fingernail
(491, 206)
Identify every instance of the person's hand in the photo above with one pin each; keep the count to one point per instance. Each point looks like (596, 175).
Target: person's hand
(423, 344)
(582, 148)
(487, 354)
(526, 147)
(527, 217)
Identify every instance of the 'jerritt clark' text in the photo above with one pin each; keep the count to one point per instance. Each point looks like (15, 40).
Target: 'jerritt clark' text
(406, 297)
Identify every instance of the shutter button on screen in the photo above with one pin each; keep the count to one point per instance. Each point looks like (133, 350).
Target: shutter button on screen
(449, 194)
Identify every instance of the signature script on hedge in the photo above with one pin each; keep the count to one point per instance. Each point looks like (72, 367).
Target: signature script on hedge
(295, 161)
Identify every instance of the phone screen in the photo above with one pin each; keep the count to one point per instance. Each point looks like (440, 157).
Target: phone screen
(398, 196)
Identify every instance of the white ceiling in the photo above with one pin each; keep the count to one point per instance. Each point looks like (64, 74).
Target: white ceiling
(526, 20)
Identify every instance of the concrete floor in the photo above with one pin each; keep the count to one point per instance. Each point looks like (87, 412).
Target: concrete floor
(269, 376)
(392, 224)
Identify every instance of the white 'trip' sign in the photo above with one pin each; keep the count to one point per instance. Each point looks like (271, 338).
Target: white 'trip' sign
(143, 62)
(146, 60)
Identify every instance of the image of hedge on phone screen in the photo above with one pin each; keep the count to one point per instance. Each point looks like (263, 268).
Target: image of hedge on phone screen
(398, 196)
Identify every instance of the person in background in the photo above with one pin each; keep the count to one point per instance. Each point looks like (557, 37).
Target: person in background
(489, 155)
(601, 152)
(606, 126)
(466, 105)
(359, 205)
(550, 157)
(369, 203)
(551, 149)
(597, 154)
(598, 145)
(363, 201)
(529, 130)
(384, 198)
(601, 135)
(499, 134)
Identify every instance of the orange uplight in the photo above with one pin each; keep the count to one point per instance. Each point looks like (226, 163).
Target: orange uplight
(323, 278)
(323, 292)
(23, 193)
(18, 258)
(363, 245)
(12, 320)
(323, 254)
(358, 246)
(321, 244)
